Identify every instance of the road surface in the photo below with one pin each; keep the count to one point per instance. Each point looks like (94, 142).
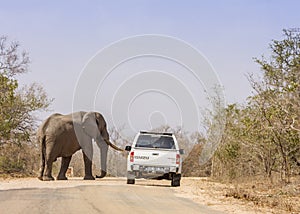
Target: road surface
(100, 196)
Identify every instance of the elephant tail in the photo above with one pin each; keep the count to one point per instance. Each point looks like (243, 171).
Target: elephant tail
(43, 148)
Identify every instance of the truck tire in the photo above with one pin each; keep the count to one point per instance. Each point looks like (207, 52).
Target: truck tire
(130, 181)
(175, 180)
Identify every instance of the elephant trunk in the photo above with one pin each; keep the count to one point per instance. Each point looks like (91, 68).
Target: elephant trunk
(103, 151)
(103, 154)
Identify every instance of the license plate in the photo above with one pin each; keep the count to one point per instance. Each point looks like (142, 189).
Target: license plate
(152, 169)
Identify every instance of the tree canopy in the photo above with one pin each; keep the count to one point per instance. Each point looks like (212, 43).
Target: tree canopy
(262, 137)
(17, 104)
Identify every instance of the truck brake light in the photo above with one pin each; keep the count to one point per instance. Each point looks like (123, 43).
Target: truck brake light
(131, 156)
(178, 159)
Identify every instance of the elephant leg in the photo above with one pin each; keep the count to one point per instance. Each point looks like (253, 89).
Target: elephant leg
(87, 168)
(41, 172)
(48, 170)
(43, 152)
(65, 161)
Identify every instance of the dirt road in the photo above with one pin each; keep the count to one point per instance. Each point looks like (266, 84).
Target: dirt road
(100, 196)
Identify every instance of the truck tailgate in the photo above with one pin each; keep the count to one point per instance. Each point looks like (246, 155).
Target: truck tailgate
(157, 157)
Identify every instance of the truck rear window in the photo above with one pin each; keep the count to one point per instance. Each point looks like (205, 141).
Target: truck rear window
(154, 141)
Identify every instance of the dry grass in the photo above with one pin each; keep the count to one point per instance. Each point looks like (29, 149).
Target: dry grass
(244, 197)
(280, 197)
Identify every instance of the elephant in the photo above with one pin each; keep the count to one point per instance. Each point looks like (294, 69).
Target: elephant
(63, 135)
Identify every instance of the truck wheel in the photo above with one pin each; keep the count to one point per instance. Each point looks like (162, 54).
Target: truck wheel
(175, 180)
(130, 181)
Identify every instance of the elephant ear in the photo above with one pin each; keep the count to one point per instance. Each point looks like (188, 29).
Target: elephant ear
(89, 125)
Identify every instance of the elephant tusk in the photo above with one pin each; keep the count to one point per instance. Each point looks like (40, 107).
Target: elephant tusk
(113, 146)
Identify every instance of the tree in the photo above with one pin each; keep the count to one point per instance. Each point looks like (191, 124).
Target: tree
(17, 104)
(263, 136)
(277, 98)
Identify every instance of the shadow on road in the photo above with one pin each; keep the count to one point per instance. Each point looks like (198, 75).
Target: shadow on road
(153, 185)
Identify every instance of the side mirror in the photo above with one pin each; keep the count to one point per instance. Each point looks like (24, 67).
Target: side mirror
(181, 151)
(128, 148)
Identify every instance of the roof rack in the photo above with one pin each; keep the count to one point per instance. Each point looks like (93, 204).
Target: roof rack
(158, 133)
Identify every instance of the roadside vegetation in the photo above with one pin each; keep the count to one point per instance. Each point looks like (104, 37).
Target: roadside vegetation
(259, 153)
(262, 136)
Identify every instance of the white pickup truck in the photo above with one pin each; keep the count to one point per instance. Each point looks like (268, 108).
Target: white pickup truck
(154, 156)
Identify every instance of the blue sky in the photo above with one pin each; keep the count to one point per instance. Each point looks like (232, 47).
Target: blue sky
(62, 36)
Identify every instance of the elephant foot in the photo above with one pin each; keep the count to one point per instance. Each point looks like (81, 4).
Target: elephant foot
(40, 178)
(61, 178)
(89, 177)
(103, 174)
(48, 178)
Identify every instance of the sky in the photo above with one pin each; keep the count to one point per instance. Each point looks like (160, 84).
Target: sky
(63, 37)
